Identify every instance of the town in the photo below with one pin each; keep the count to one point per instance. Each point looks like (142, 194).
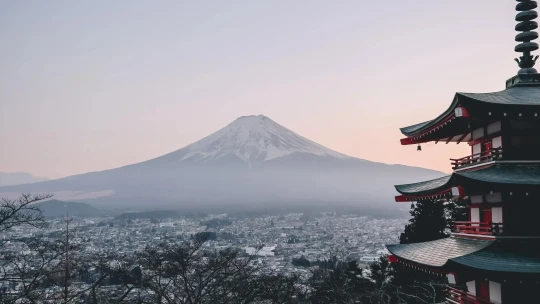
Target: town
(276, 240)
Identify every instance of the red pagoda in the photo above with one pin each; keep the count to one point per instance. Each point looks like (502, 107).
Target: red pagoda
(494, 257)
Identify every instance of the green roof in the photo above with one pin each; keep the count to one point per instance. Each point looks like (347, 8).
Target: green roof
(505, 173)
(412, 129)
(505, 255)
(431, 186)
(501, 255)
(515, 96)
(523, 96)
(499, 174)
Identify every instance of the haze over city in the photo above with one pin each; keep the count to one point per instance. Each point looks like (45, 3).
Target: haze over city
(88, 86)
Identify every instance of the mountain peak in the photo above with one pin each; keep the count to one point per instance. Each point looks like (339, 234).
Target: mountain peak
(260, 116)
(254, 138)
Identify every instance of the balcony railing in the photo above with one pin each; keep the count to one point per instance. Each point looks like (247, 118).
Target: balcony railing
(489, 155)
(480, 228)
(456, 296)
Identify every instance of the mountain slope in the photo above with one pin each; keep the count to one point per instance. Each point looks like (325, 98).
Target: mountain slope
(250, 140)
(56, 208)
(253, 161)
(18, 178)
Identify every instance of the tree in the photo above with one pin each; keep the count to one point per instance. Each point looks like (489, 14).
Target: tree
(393, 283)
(301, 262)
(22, 211)
(46, 269)
(187, 274)
(456, 210)
(428, 222)
(431, 220)
(343, 284)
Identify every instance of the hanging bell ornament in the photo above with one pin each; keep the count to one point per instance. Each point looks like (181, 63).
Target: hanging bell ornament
(419, 148)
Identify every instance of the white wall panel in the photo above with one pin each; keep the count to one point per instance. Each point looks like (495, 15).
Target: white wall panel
(495, 292)
(477, 199)
(476, 148)
(497, 215)
(494, 197)
(475, 215)
(496, 142)
(478, 133)
(471, 286)
(494, 127)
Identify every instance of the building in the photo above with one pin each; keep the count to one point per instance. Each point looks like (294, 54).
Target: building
(494, 257)
(370, 258)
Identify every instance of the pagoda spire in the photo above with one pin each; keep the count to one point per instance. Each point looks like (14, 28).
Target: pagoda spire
(526, 25)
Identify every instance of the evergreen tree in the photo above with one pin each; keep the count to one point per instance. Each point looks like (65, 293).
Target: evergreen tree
(428, 222)
(301, 262)
(456, 210)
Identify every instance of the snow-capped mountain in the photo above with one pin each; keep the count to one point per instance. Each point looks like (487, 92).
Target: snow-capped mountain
(253, 139)
(252, 162)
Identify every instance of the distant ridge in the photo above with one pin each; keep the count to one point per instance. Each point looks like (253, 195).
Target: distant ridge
(252, 163)
(18, 178)
(56, 208)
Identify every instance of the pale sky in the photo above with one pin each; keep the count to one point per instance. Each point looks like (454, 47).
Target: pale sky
(93, 85)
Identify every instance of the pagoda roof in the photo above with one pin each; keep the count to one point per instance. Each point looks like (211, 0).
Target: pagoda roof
(426, 125)
(505, 255)
(496, 173)
(426, 187)
(523, 96)
(437, 253)
(505, 173)
(410, 130)
(446, 124)
(501, 255)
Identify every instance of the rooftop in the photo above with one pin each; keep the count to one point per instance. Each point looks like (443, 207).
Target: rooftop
(501, 255)
(449, 123)
(496, 173)
(507, 255)
(437, 253)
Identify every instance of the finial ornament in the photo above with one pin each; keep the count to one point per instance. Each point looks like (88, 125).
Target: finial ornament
(526, 26)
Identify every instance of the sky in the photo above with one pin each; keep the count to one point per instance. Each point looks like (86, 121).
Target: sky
(93, 85)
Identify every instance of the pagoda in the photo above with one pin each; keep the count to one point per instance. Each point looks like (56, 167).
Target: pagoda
(494, 257)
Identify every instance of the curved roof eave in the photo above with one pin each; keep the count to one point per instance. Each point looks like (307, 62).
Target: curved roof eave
(437, 253)
(430, 186)
(417, 128)
(515, 96)
(499, 173)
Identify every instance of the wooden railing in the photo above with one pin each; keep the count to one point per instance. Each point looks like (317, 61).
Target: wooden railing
(456, 296)
(489, 155)
(478, 228)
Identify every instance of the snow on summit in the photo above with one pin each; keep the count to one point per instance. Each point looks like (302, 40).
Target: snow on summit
(254, 138)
